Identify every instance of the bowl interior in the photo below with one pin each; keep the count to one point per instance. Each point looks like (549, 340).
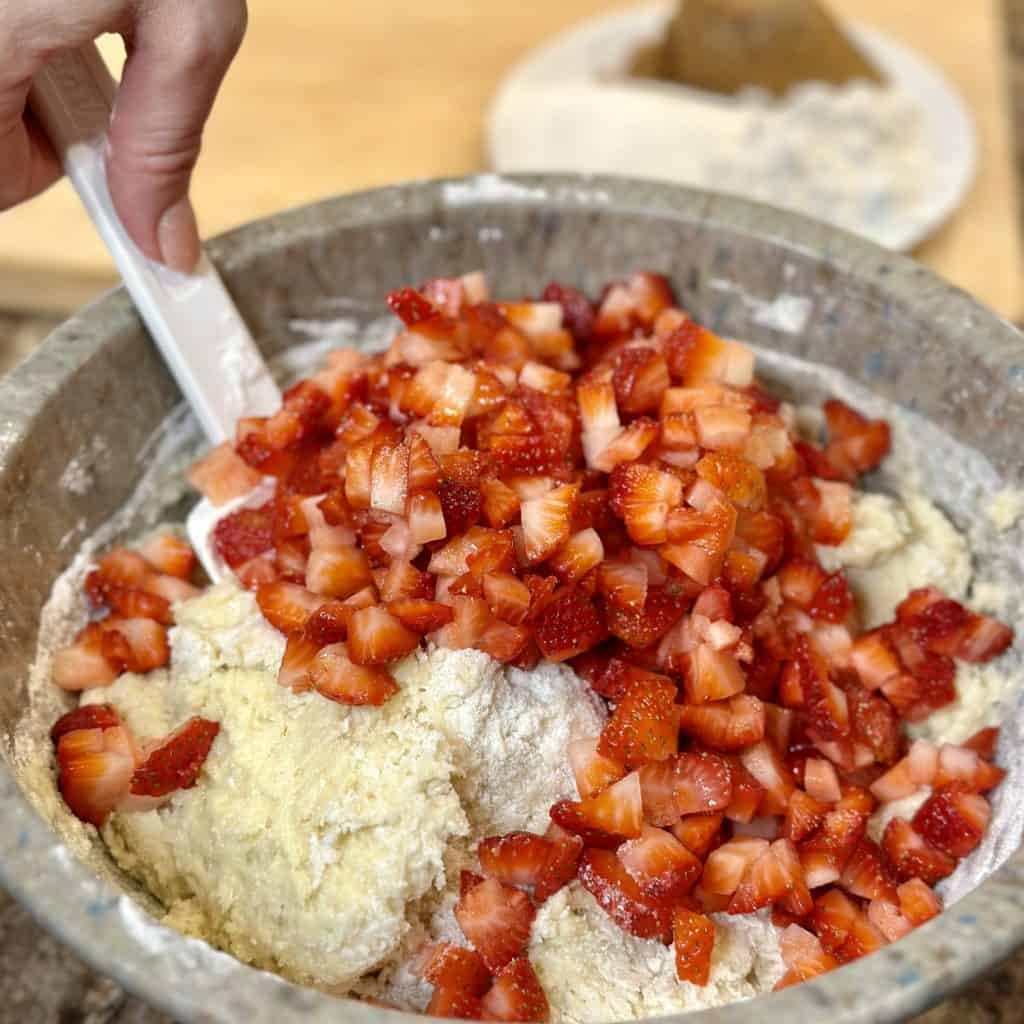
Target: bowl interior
(78, 419)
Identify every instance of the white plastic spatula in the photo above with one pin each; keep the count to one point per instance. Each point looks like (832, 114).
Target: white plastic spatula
(191, 317)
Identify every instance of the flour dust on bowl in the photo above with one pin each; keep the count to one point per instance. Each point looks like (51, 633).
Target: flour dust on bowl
(94, 450)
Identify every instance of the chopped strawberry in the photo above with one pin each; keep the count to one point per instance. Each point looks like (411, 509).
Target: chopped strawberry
(613, 814)
(641, 627)
(420, 615)
(86, 716)
(804, 815)
(452, 967)
(605, 877)
(507, 596)
(768, 768)
(694, 938)
(660, 864)
(83, 664)
(516, 994)
(886, 917)
(874, 660)
(953, 821)
(170, 554)
(577, 311)
(727, 865)
(907, 855)
(546, 521)
(964, 769)
(496, 919)
(698, 832)
(335, 675)
(337, 572)
(803, 956)
(821, 781)
(286, 606)
(592, 771)
(703, 783)
(918, 903)
(500, 504)
(471, 620)
(623, 584)
(747, 793)
(177, 761)
(244, 534)
(728, 725)
(844, 930)
(568, 625)
(865, 875)
(518, 858)
(222, 475)
(644, 726)
(135, 645)
(827, 852)
(984, 743)
(561, 865)
(93, 779)
(376, 637)
(713, 676)
(581, 552)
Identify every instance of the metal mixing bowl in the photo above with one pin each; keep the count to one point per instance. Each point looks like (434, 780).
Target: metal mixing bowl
(97, 386)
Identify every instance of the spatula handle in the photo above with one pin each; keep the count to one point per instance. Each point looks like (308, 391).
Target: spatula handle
(191, 317)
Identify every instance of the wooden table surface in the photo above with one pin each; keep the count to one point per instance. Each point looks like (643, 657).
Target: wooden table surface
(43, 983)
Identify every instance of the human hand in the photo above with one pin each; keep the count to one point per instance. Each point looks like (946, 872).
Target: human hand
(178, 54)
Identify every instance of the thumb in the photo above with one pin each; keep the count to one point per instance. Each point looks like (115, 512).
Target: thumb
(178, 54)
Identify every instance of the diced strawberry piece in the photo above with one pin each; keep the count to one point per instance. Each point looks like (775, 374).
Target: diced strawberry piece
(800, 580)
(694, 939)
(516, 995)
(582, 552)
(222, 475)
(605, 877)
(953, 821)
(661, 865)
(568, 625)
(918, 903)
(703, 783)
(886, 917)
(376, 637)
(643, 497)
(135, 645)
(833, 601)
(747, 793)
(593, 771)
(86, 716)
(727, 865)
(500, 504)
(768, 768)
(613, 814)
(658, 792)
(455, 1004)
(874, 660)
(623, 584)
(804, 957)
(546, 521)
(765, 881)
(496, 919)
(821, 781)
(335, 675)
(698, 832)
(713, 676)
(452, 967)
(728, 725)
(420, 615)
(83, 665)
(286, 606)
(577, 311)
(298, 658)
(641, 627)
(843, 929)
(329, 623)
(518, 858)
(471, 619)
(129, 603)
(907, 855)
(337, 572)
(865, 876)
(804, 815)
(503, 642)
(169, 554)
(177, 761)
(644, 726)
(507, 597)
(984, 743)
(984, 639)
(826, 854)
(93, 780)
(963, 768)
(561, 865)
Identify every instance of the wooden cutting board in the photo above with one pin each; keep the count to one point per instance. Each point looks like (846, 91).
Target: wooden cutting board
(330, 96)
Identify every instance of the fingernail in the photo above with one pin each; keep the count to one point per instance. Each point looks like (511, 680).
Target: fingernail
(178, 237)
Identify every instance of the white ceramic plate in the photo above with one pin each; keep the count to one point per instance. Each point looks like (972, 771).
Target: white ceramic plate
(553, 87)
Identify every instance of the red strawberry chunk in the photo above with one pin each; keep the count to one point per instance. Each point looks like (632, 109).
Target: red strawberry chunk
(644, 726)
(763, 762)
(918, 903)
(984, 743)
(376, 637)
(727, 865)
(337, 572)
(135, 645)
(335, 675)
(568, 625)
(826, 853)
(698, 832)
(614, 814)
(86, 716)
(169, 554)
(244, 534)
(703, 783)
(93, 779)
(605, 877)
(727, 725)
(518, 858)
(694, 938)
(804, 815)
(420, 615)
(454, 1004)
(804, 956)
(865, 875)
(177, 761)
(222, 475)
(496, 919)
(507, 596)
(452, 967)
(593, 771)
(844, 930)
(286, 606)
(907, 855)
(953, 821)
(561, 865)
(964, 769)
(516, 995)
(661, 865)
(713, 676)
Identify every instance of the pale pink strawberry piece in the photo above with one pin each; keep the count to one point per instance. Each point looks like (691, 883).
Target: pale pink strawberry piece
(963, 768)
(766, 765)
(723, 427)
(593, 771)
(658, 792)
(546, 521)
(825, 855)
(765, 881)
(908, 775)
(403, 580)
(169, 588)
(286, 606)
(337, 572)
(984, 639)
(623, 583)
(628, 445)
(516, 995)
(500, 502)
(134, 645)
(643, 497)
(447, 966)
(804, 815)
(886, 917)
(703, 783)
(803, 956)
(907, 855)
(582, 552)
(376, 637)
(389, 475)
(728, 725)
(613, 814)
(874, 660)
(83, 665)
(92, 780)
(358, 467)
(726, 866)
(334, 675)
(420, 615)
(222, 475)
(423, 472)
(714, 676)
(605, 877)
(257, 571)
(821, 780)
(471, 619)
(503, 642)
(298, 658)
(544, 378)
(496, 919)
(507, 596)
(426, 518)
(170, 554)
(453, 558)
(518, 858)
(953, 821)
(660, 864)
(799, 580)
(845, 930)
(918, 903)
(797, 901)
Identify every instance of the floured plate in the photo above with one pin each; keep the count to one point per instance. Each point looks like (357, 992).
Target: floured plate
(569, 107)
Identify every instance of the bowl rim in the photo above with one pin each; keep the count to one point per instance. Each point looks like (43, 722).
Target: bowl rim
(114, 934)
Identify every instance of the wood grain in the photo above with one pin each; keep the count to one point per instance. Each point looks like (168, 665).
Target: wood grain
(334, 95)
